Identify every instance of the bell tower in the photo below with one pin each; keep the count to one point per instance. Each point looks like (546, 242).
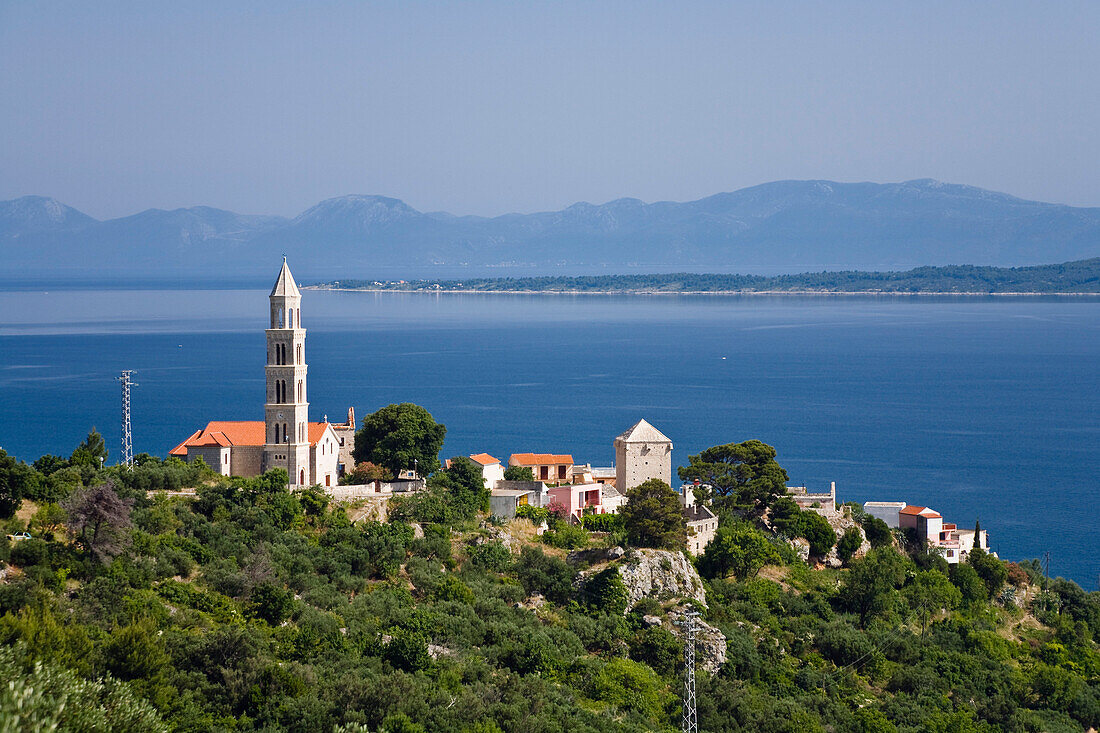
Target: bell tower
(286, 412)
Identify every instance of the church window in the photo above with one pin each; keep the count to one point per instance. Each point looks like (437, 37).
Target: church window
(280, 321)
(285, 438)
(290, 318)
(302, 477)
(328, 479)
(301, 398)
(299, 360)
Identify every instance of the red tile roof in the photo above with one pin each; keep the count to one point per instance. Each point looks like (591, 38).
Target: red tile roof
(920, 511)
(540, 459)
(226, 433)
(484, 459)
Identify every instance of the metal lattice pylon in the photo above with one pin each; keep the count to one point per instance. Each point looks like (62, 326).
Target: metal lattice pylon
(127, 456)
(690, 722)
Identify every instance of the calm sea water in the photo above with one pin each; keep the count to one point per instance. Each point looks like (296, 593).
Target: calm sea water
(977, 407)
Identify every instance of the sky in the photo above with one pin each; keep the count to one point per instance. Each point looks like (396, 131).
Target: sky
(491, 107)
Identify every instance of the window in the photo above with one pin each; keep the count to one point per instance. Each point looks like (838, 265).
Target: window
(561, 471)
(328, 479)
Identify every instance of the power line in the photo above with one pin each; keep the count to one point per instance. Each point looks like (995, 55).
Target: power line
(690, 722)
(127, 456)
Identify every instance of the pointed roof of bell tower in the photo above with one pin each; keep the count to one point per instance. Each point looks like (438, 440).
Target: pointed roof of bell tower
(285, 286)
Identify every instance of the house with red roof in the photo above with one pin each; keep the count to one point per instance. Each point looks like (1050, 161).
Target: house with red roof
(548, 467)
(491, 469)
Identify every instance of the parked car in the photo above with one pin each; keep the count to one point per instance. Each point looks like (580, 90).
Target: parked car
(19, 536)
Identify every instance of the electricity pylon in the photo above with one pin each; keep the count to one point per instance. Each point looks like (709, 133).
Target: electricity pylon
(690, 722)
(127, 458)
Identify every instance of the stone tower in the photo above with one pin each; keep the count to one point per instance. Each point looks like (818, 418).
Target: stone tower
(642, 453)
(286, 412)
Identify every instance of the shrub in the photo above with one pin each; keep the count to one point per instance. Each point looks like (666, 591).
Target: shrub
(566, 537)
(738, 548)
(606, 593)
(848, 544)
(271, 603)
(492, 556)
(602, 522)
(541, 573)
(877, 531)
(658, 648)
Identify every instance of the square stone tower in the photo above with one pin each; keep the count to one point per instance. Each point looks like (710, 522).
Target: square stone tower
(642, 453)
(286, 412)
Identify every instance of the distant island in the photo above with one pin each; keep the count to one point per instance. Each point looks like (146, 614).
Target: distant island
(1079, 277)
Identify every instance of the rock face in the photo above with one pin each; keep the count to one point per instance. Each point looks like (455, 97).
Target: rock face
(660, 574)
(710, 643)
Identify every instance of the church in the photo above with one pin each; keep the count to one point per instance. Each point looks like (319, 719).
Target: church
(310, 452)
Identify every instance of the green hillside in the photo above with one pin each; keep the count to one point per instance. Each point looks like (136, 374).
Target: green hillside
(246, 607)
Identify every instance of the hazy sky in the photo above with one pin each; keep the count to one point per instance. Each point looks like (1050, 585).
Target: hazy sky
(486, 107)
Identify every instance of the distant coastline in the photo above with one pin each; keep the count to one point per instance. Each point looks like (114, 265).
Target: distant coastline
(1079, 278)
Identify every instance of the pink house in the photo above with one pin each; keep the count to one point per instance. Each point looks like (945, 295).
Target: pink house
(576, 497)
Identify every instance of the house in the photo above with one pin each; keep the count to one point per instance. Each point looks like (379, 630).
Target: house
(610, 498)
(538, 493)
(887, 511)
(702, 524)
(504, 502)
(927, 523)
(491, 470)
(582, 474)
(578, 497)
(957, 544)
(549, 467)
(345, 433)
(604, 475)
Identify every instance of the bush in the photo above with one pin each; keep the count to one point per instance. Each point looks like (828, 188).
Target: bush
(519, 473)
(271, 603)
(658, 648)
(566, 537)
(737, 548)
(602, 522)
(848, 544)
(605, 593)
(492, 556)
(535, 514)
(877, 531)
(542, 573)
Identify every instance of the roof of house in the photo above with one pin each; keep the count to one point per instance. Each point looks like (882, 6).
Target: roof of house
(285, 286)
(609, 491)
(642, 432)
(484, 459)
(920, 511)
(603, 471)
(697, 513)
(227, 433)
(885, 504)
(538, 459)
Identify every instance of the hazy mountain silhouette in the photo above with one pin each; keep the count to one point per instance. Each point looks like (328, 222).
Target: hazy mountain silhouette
(785, 226)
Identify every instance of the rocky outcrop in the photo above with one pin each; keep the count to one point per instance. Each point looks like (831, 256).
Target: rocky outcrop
(660, 574)
(595, 555)
(710, 643)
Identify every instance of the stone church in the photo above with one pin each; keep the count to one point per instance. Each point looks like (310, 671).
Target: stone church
(310, 452)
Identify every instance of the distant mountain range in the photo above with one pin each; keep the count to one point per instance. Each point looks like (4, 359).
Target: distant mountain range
(780, 227)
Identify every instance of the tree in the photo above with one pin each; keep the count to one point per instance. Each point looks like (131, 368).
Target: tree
(931, 591)
(271, 603)
(978, 534)
(16, 480)
(742, 476)
(658, 648)
(92, 452)
(966, 579)
(817, 530)
(519, 473)
(877, 531)
(848, 544)
(538, 572)
(738, 548)
(652, 517)
(872, 582)
(98, 519)
(991, 570)
(399, 437)
(366, 473)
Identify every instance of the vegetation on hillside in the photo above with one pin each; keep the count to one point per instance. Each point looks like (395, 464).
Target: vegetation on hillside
(248, 607)
(1081, 276)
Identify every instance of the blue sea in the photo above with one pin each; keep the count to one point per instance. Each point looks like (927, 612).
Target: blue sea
(975, 406)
